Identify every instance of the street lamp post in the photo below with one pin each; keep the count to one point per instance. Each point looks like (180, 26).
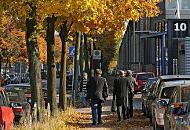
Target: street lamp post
(134, 41)
(91, 58)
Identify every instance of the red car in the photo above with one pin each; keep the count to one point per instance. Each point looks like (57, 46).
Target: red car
(6, 112)
(141, 79)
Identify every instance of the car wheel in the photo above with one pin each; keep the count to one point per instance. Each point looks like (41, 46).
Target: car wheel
(166, 124)
(157, 127)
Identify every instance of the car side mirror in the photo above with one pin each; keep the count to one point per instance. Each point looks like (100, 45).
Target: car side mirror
(162, 103)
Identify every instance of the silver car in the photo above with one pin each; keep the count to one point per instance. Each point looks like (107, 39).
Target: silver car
(159, 105)
(177, 115)
(157, 87)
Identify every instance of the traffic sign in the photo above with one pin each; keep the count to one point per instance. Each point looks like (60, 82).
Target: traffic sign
(71, 51)
(97, 55)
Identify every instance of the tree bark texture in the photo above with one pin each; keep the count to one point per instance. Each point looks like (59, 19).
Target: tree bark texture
(63, 74)
(51, 65)
(76, 66)
(34, 62)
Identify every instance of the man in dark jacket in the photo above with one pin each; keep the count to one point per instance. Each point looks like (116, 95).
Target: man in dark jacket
(122, 92)
(113, 107)
(97, 92)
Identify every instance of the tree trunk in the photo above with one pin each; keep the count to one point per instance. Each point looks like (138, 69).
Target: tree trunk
(34, 61)
(63, 74)
(51, 65)
(76, 66)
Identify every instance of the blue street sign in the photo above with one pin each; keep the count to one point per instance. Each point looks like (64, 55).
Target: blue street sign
(71, 51)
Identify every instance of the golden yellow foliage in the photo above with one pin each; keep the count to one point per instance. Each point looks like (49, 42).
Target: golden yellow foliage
(89, 16)
(64, 121)
(86, 15)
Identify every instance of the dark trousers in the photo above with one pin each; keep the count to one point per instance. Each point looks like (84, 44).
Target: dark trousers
(96, 107)
(130, 107)
(122, 110)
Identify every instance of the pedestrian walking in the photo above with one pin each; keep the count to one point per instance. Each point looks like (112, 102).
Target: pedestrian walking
(97, 92)
(122, 96)
(113, 106)
(132, 83)
(83, 89)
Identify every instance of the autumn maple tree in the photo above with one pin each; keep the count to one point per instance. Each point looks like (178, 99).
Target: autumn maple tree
(87, 16)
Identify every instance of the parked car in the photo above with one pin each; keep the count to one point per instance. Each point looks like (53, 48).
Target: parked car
(141, 79)
(27, 90)
(7, 115)
(177, 115)
(20, 106)
(147, 90)
(156, 90)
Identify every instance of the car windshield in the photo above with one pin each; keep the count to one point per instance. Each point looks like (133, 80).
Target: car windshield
(167, 92)
(185, 94)
(144, 76)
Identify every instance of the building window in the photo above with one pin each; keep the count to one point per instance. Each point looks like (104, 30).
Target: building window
(185, 4)
(171, 4)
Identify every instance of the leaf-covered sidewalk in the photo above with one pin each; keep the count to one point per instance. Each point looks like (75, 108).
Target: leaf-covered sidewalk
(80, 119)
(138, 122)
